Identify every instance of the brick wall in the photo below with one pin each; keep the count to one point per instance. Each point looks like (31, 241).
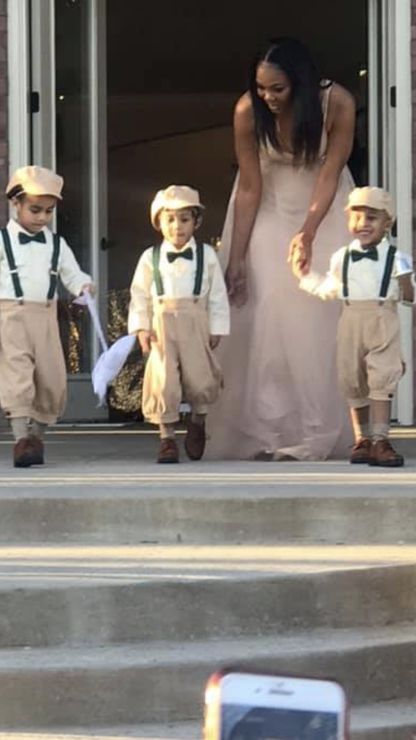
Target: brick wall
(413, 52)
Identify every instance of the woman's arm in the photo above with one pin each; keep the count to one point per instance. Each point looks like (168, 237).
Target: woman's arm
(341, 124)
(247, 196)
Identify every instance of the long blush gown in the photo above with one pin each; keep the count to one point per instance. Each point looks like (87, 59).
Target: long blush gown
(281, 393)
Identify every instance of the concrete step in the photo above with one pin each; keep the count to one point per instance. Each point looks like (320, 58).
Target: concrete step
(54, 596)
(389, 720)
(234, 503)
(155, 682)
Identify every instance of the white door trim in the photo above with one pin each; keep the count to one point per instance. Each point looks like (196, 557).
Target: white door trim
(43, 81)
(98, 154)
(18, 30)
(403, 189)
(373, 35)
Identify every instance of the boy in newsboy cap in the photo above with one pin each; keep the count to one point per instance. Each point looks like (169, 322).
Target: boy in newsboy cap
(179, 310)
(371, 276)
(32, 365)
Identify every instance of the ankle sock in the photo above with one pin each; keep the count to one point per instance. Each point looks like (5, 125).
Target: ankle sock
(20, 427)
(380, 431)
(361, 431)
(167, 431)
(38, 429)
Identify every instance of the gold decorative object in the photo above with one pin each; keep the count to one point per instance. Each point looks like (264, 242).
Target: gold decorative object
(125, 393)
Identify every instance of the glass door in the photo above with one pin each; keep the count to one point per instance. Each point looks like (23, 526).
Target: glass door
(391, 147)
(68, 97)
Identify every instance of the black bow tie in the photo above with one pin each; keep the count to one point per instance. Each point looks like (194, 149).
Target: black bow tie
(26, 238)
(187, 254)
(370, 254)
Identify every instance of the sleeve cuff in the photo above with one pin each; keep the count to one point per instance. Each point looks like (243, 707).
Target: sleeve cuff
(137, 322)
(219, 327)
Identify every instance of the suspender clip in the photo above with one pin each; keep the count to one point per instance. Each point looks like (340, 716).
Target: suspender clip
(54, 272)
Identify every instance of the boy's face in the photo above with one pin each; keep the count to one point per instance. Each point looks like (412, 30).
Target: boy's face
(178, 226)
(369, 225)
(33, 212)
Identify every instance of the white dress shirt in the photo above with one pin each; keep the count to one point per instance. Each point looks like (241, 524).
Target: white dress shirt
(33, 263)
(364, 276)
(178, 279)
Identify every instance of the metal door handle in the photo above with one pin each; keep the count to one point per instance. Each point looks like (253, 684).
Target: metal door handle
(106, 244)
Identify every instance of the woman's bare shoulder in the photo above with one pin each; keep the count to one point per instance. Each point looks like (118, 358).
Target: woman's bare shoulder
(340, 99)
(243, 112)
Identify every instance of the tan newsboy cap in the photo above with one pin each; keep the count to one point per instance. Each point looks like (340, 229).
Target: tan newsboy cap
(173, 198)
(35, 180)
(372, 197)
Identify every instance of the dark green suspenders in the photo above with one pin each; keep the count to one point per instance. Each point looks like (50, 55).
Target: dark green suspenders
(13, 269)
(385, 282)
(345, 266)
(387, 271)
(54, 267)
(12, 265)
(156, 272)
(198, 274)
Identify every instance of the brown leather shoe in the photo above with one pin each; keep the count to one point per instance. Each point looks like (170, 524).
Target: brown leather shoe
(37, 450)
(22, 453)
(361, 452)
(168, 451)
(383, 454)
(28, 451)
(195, 440)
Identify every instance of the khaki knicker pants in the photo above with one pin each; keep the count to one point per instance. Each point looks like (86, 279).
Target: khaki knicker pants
(369, 355)
(181, 365)
(32, 364)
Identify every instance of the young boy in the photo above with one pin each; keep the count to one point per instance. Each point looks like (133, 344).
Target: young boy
(370, 276)
(32, 365)
(179, 310)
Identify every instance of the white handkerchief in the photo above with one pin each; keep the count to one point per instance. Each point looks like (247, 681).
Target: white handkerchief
(109, 365)
(111, 360)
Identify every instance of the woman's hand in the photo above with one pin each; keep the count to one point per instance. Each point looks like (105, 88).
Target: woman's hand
(300, 253)
(236, 282)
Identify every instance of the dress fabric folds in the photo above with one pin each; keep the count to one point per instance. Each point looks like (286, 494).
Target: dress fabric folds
(279, 362)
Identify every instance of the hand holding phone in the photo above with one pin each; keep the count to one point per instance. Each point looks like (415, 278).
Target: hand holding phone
(250, 706)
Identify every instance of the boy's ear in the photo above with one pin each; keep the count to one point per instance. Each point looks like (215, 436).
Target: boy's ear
(198, 221)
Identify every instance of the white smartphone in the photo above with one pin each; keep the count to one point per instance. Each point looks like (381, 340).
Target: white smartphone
(250, 706)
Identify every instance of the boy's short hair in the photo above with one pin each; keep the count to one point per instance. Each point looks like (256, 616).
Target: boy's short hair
(174, 198)
(34, 180)
(372, 197)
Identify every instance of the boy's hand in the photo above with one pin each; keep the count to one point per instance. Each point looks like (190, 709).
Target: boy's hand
(214, 341)
(406, 288)
(89, 288)
(146, 337)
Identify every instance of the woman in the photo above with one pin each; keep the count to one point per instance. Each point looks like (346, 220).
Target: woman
(293, 136)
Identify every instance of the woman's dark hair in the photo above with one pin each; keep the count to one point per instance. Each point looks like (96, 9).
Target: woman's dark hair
(292, 57)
